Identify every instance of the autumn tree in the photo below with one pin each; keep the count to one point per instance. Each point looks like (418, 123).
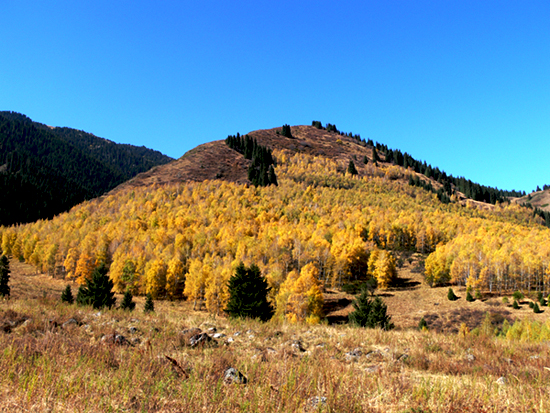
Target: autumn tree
(248, 294)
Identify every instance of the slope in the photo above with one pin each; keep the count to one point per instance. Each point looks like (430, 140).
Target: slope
(43, 173)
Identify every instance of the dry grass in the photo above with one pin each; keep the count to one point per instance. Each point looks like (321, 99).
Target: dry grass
(47, 366)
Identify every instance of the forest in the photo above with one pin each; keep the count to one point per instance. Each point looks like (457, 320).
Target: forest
(320, 227)
(45, 171)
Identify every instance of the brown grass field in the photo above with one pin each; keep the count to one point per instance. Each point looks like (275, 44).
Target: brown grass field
(49, 366)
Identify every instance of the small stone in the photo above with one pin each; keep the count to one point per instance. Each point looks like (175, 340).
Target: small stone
(132, 330)
(70, 322)
(212, 330)
(501, 381)
(297, 345)
(229, 340)
(201, 340)
(315, 404)
(218, 335)
(470, 357)
(233, 376)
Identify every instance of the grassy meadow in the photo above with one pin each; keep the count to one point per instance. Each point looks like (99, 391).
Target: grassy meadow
(49, 365)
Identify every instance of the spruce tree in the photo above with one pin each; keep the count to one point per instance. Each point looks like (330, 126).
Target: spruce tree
(469, 297)
(370, 313)
(536, 308)
(515, 305)
(351, 168)
(67, 295)
(98, 290)
(4, 276)
(127, 301)
(422, 324)
(149, 304)
(451, 295)
(248, 294)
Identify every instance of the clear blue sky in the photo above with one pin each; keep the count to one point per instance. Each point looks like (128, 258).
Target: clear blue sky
(464, 85)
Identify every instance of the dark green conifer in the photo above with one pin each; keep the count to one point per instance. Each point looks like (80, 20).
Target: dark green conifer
(149, 304)
(469, 297)
(515, 305)
(536, 308)
(127, 301)
(370, 313)
(67, 295)
(351, 168)
(422, 324)
(4, 276)
(248, 294)
(98, 290)
(451, 295)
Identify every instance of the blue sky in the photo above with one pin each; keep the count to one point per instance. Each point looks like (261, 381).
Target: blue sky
(464, 85)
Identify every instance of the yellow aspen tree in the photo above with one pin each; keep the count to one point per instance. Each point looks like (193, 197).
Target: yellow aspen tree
(84, 267)
(156, 278)
(174, 278)
(385, 271)
(70, 263)
(195, 281)
(306, 299)
(216, 290)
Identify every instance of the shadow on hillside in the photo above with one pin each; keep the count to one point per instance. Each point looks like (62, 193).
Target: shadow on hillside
(333, 307)
(406, 284)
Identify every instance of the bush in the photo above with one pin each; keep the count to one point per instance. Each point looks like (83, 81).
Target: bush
(98, 290)
(505, 300)
(370, 313)
(422, 324)
(67, 295)
(515, 305)
(536, 309)
(127, 301)
(149, 305)
(469, 297)
(451, 295)
(518, 296)
(248, 294)
(531, 304)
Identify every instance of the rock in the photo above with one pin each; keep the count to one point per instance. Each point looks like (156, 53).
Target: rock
(212, 330)
(315, 404)
(218, 335)
(501, 381)
(238, 333)
(470, 357)
(353, 355)
(133, 330)
(70, 322)
(297, 345)
(201, 339)
(372, 369)
(229, 340)
(115, 339)
(233, 376)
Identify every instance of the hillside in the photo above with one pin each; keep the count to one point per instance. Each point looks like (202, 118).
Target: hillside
(180, 229)
(45, 171)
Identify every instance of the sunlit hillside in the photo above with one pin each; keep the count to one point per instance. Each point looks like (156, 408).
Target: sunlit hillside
(321, 227)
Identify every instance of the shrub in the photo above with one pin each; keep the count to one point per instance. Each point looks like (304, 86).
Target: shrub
(505, 300)
(531, 304)
(478, 295)
(451, 295)
(422, 324)
(536, 308)
(248, 294)
(515, 305)
(67, 295)
(469, 297)
(370, 313)
(127, 301)
(149, 305)
(518, 296)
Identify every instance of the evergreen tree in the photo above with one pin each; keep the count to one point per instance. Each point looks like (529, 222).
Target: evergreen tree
(98, 290)
(536, 308)
(469, 297)
(149, 304)
(365, 160)
(515, 305)
(286, 131)
(370, 313)
(351, 168)
(272, 177)
(67, 295)
(451, 295)
(375, 158)
(4, 276)
(248, 294)
(127, 301)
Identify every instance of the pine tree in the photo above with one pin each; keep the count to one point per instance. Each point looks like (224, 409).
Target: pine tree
(370, 313)
(365, 160)
(248, 294)
(286, 131)
(127, 301)
(375, 158)
(469, 297)
(149, 304)
(67, 295)
(515, 305)
(536, 308)
(451, 295)
(351, 168)
(4, 276)
(98, 290)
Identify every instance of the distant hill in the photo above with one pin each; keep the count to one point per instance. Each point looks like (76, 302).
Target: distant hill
(46, 170)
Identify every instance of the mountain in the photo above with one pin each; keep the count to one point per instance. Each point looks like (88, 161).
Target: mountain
(46, 170)
(343, 212)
